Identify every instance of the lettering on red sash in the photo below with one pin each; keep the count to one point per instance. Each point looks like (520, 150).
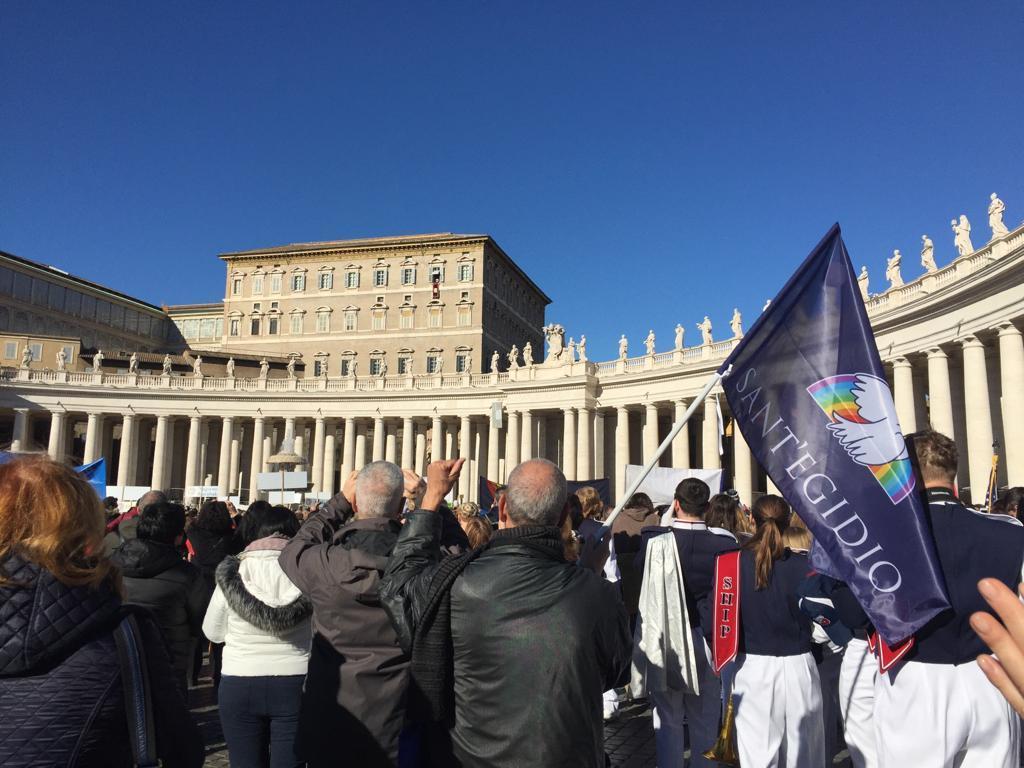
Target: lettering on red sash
(726, 606)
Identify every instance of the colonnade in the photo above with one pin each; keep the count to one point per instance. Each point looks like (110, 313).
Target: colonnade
(226, 453)
(973, 391)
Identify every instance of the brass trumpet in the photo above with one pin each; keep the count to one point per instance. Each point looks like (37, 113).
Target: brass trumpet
(724, 750)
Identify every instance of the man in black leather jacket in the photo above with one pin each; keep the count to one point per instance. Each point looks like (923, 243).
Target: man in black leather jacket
(512, 646)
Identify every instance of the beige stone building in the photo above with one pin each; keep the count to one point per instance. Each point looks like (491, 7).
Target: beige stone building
(950, 338)
(398, 305)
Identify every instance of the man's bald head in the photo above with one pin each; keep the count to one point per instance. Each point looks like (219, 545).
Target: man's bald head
(151, 497)
(535, 494)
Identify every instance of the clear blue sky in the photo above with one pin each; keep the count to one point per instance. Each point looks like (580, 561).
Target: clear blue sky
(646, 163)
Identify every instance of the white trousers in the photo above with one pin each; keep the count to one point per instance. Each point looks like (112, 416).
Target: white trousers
(701, 714)
(943, 716)
(778, 712)
(857, 702)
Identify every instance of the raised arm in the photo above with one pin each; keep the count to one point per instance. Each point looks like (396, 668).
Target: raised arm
(416, 554)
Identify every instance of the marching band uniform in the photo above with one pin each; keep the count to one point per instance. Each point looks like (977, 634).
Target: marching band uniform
(776, 690)
(937, 708)
(697, 551)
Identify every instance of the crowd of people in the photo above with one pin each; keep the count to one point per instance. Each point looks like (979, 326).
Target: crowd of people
(388, 628)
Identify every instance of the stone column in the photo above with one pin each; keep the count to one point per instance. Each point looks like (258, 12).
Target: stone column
(621, 449)
(940, 400)
(1011, 373)
(569, 443)
(318, 455)
(599, 459)
(124, 459)
(58, 420)
(650, 432)
(710, 458)
(390, 444)
(378, 438)
(20, 441)
(159, 476)
(256, 460)
(526, 450)
(743, 466)
(360, 460)
(421, 452)
(289, 429)
(903, 394)
(451, 440)
(681, 445)
(493, 454)
(268, 451)
(299, 430)
(436, 439)
(195, 426)
(330, 460)
(979, 417)
(584, 445)
(348, 454)
(468, 476)
(227, 430)
(540, 442)
(93, 432)
(236, 458)
(513, 443)
(408, 442)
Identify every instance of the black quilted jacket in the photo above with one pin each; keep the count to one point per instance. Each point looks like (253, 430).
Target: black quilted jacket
(61, 702)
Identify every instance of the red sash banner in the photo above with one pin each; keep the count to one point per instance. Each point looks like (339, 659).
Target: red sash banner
(726, 595)
(887, 657)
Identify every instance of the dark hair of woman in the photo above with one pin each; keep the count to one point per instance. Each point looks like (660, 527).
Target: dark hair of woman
(276, 520)
(250, 521)
(640, 501)
(771, 516)
(575, 510)
(214, 518)
(723, 512)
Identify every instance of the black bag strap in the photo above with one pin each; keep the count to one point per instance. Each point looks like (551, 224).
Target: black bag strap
(137, 702)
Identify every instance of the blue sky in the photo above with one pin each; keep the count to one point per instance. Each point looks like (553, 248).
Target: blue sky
(646, 163)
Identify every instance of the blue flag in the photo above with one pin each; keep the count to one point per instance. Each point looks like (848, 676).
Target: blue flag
(809, 393)
(96, 473)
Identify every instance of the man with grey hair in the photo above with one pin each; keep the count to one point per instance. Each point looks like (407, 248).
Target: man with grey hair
(353, 701)
(511, 645)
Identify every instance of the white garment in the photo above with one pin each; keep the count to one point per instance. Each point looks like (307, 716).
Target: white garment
(250, 651)
(701, 714)
(664, 651)
(778, 712)
(857, 702)
(941, 716)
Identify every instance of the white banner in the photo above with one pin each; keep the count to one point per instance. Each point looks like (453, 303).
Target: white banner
(271, 481)
(201, 491)
(661, 483)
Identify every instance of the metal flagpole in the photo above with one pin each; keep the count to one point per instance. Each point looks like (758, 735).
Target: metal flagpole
(676, 428)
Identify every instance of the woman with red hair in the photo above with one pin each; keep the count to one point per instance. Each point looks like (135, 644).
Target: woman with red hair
(64, 636)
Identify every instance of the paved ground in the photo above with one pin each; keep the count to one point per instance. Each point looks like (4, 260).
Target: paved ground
(628, 738)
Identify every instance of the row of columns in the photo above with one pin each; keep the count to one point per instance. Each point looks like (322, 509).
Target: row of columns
(976, 435)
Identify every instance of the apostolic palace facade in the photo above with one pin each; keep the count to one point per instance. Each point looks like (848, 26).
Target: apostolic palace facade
(421, 347)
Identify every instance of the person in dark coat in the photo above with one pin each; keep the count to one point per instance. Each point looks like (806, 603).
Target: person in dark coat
(638, 514)
(61, 694)
(156, 577)
(211, 538)
(511, 645)
(354, 700)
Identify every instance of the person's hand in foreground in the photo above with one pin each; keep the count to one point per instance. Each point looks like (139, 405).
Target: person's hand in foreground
(1007, 642)
(441, 478)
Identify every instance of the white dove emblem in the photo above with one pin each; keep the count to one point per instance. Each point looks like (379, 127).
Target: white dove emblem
(877, 440)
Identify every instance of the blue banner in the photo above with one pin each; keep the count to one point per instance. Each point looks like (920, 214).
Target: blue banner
(809, 394)
(96, 473)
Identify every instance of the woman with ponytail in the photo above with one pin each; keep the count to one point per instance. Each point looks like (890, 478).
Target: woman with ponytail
(776, 690)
